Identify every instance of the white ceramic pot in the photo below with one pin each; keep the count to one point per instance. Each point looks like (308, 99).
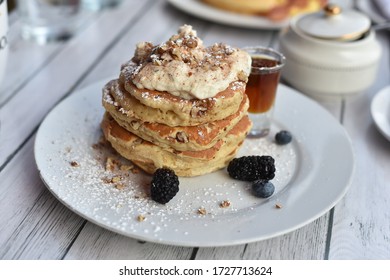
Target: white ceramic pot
(330, 54)
(3, 37)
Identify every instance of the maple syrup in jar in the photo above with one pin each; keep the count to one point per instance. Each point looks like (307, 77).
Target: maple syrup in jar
(261, 87)
(262, 84)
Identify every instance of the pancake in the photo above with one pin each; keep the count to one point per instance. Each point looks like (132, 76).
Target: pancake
(181, 138)
(202, 111)
(149, 157)
(223, 104)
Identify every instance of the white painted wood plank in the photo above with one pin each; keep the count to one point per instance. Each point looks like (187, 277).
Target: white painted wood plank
(26, 58)
(307, 243)
(98, 243)
(34, 100)
(362, 221)
(24, 61)
(16, 198)
(35, 224)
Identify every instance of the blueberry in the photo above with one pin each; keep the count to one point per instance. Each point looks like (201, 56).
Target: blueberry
(263, 188)
(283, 137)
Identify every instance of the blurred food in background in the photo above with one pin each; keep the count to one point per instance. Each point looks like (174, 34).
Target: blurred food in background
(275, 10)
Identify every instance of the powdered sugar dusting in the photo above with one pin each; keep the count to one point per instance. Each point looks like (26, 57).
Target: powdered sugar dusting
(237, 85)
(73, 164)
(89, 189)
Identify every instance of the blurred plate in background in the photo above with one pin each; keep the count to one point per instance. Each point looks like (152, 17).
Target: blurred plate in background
(204, 11)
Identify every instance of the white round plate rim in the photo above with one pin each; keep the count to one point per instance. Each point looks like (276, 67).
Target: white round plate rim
(317, 185)
(199, 9)
(380, 107)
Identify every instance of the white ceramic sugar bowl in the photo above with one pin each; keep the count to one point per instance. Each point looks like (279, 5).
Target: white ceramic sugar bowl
(331, 53)
(3, 37)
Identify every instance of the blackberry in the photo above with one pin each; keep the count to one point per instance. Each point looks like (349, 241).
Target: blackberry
(252, 168)
(164, 185)
(263, 188)
(283, 137)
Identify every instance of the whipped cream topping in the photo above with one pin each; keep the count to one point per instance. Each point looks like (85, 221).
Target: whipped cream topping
(183, 67)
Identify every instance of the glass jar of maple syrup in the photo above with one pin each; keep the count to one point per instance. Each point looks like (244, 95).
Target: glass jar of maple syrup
(262, 86)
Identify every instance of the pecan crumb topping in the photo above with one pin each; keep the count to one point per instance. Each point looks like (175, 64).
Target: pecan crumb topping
(74, 164)
(202, 211)
(225, 204)
(141, 218)
(184, 67)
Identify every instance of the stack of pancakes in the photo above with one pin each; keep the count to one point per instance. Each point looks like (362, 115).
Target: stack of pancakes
(157, 129)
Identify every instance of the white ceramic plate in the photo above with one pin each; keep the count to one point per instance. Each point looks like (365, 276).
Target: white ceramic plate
(199, 9)
(313, 174)
(380, 111)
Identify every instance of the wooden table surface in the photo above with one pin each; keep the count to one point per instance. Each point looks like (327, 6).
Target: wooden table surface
(35, 225)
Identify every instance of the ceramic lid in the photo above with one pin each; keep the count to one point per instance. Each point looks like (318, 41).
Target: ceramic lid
(334, 24)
